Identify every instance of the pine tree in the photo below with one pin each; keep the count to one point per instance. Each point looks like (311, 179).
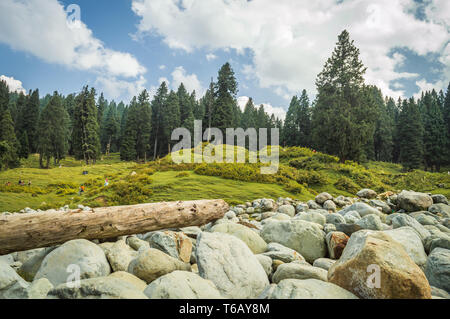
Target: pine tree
(53, 132)
(4, 97)
(384, 132)
(158, 104)
(102, 104)
(9, 144)
(291, 130)
(434, 137)
(209, 102)
(86, 132)
(130, 132)
(186, 109)
(224, 113)
(303, 121)
(342, 118)
(170, 121)
(446, 115)
(110, 131)
(410, 135)
(249, 115)
(144, 127)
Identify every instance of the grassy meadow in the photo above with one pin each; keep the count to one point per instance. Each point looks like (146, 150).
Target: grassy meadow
(302, 175)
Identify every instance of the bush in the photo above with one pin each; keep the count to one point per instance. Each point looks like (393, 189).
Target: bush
(311, 178)
(346, 184)
(129, 193)
(294, 188)
(182, 175)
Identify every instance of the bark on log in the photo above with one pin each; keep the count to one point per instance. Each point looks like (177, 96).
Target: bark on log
(28, 231)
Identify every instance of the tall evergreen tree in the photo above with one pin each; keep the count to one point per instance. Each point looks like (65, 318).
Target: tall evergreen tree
(304, 120)
(291, 130)
(170, 121)
(110, 131)
(53, 132)
(9, 144)
(224, 113)
(158, 108)
(186, 109)
(143, 126)
(86, 132)
(130, 132)
(249, 115)
(384, 131)
(342, 118)
(446, 115)
(209, 102)
(410, 135)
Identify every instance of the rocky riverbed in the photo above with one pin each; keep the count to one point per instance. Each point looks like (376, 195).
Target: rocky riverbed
(371, 246)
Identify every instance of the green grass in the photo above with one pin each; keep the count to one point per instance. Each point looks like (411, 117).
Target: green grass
(302, 175)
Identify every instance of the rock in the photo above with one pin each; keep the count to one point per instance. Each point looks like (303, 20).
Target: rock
(177, 245)
(414, 201)
(231, 214)
(367, 251)
(329, 205)
(120, 255)
(437, 269)
(153, 263)
(439, 199)
(302, 207)
(313, 217)
(322, 198)
(352, 217)
(23, 256)
(372, 222)
(348, 229)
(137, 244)
(266, 263)
(411, 242)
(335, 219)
(305, 237)
(7, 259)
(313, 205)
(328, 228)
(267, 292)
(298, 271)
(182, 285)
(97, 288)
(336, 242)
(440, 242)
(277, 251)
(287, 209)
(279, 216)
(437, 292)
(362, 209)
(12, 286)
(385, 208)
(425, 220)
(366, 193)
(402, 220)
(192, 231)
(29, 269)
(139, 284)
(230, 265)
(39, 289)
(440, 209)
(324, 263)
(309, 289)
(256, 244)
(75, 256)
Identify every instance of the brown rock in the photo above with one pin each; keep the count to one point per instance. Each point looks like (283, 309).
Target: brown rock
(368, 252)
(336, 242)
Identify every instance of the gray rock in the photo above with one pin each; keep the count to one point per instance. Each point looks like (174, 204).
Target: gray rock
(425, 220)
(302, 207)
(256, 244)
(192, 231)
(366, 193)
(309, 289)
(30, 267)
(437, 269)
(372, 222)
(328, 228)
(414, 201)
(313, 216)
(324, 263)
(362, 209)
(348, 229)
(411, 242)
(153, 263)
(277, 251)
(401, 220)
(182, 285)
(287, 209)
(7, 259)
(97, 288)
(230, 265)
(351, 217)
(437, 292)
(322, 198)
(385, 208)
(329, 205)
(313, 205)
(439, 199)
(440, 209)
(120, 255)
(39, 289)
(60, 264)
(12, 286)
(137, 244)
(305, 237)
(298, 271)
(266, 263)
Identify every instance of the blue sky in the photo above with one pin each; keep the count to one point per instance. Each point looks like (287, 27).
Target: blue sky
(276, 48)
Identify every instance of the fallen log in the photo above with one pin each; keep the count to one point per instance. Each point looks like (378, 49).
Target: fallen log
(21, 232)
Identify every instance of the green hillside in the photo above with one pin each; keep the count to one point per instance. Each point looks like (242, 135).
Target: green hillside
(302, 175)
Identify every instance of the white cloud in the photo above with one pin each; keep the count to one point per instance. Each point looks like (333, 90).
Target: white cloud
(211, 56)
(279, 112)
(291, 39)
(40, 27)
(162, 67)
(190, 81)
(13, 84)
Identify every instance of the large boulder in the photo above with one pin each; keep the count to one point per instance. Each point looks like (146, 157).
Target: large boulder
(309, 289)
(39, 289)
(177, 245)
(313, 216)
(153, 263)
(256, 244)
(276, 251)
(414, 201)
(305, 237)
(97, 288)
(182, 285)
(439, 199)
(362, 208)
(230, 265)
(12, 286)
(132, 279)
(322, 198)
(31, 266)
(120, 255)
(372, 222)
(440, 209)
(287, 209)
(298, 271)
(437, 268)
(368, 252)
(401, 220)
(366, 193)
(74, 257)
(411, 242)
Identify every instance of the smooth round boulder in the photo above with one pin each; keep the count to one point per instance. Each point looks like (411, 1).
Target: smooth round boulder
(414, 201)
(298, 271)
(366, 193)
(411, 242)
(74, 257)
(322, 198)
(309, 289)
(287, 209)
(256, 244)
(437, 268)
(132, 279)
(372, 222)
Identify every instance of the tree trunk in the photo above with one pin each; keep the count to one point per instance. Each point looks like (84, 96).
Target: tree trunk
(22, 232)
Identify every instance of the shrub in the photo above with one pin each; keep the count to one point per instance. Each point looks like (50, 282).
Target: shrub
(182, 175)
(311, 178)
(346, 184)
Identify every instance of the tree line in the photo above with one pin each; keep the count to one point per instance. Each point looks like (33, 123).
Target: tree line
(348, 118)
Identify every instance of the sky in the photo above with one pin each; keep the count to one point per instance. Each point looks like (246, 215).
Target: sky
(276, 48)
